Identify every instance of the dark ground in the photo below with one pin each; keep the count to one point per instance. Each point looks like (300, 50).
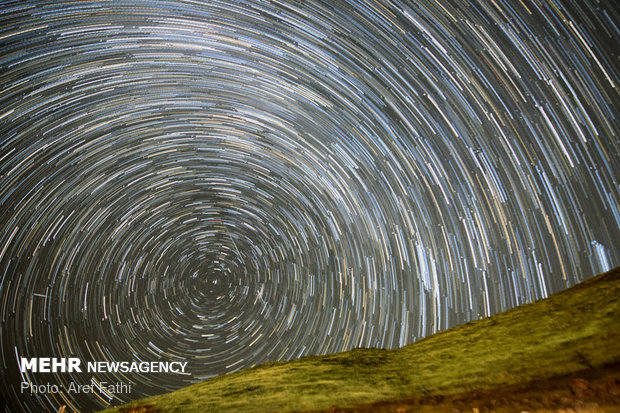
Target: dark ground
(593, 391)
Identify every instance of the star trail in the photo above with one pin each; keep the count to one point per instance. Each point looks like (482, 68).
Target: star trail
(226, 183)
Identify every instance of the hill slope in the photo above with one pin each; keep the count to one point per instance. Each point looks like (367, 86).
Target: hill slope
(574, 330)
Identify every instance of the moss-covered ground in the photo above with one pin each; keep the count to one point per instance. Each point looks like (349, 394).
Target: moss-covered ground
(571, 331)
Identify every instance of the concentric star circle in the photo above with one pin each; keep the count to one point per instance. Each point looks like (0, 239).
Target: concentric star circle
(226, 183)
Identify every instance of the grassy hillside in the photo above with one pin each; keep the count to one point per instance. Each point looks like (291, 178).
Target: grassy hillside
(574, 330)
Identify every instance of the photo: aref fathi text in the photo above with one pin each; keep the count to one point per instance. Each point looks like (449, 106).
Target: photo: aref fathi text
(100, 387)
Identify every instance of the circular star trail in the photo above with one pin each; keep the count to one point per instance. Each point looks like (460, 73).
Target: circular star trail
(234, 182)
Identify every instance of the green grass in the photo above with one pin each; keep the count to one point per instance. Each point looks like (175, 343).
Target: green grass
(574, 330)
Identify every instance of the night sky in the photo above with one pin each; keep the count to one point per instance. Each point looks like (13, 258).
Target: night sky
(234, 182)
